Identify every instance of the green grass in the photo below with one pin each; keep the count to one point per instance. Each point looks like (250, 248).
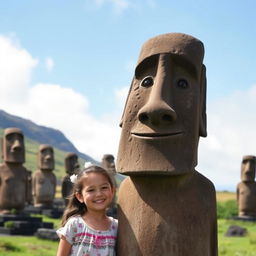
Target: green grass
(29, 245)
(236, 246)
(26, 246)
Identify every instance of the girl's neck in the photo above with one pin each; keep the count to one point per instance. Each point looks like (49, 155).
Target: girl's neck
(97, 220)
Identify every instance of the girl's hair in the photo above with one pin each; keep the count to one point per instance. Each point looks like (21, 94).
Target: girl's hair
(75, 207)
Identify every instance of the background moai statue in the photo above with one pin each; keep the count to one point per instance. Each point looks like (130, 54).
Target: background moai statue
(44, 180)
(165, 207)
(71, 167)
(108, 163)
(15, 179)
(246, 189)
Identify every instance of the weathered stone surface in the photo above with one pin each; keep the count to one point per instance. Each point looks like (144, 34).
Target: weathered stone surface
(15, 180)
(246, 189)
(44, 180)
(165, 206)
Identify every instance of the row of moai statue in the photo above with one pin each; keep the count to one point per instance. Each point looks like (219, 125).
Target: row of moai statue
(18, 187)
(246, 189)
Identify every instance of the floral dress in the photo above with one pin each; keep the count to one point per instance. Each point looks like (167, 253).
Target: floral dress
(87, 241)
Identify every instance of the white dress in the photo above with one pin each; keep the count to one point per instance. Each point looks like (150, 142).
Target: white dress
(87, 241)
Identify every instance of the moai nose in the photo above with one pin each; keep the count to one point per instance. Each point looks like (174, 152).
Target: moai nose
(157, 113)
(16, 145)
(48, 157)
(158, 109)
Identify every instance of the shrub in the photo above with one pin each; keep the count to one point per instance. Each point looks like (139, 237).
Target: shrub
(227, 209)
(8, 224)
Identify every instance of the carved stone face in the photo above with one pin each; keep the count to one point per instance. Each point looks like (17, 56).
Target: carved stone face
(46, 157)
(248, 168)
(71, 163)
(165, 109)
(108, 163)
(13, 146)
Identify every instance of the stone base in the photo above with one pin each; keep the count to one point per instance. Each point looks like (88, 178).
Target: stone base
(245, 218)
(21, 224)
(54, 213)
(46, 233)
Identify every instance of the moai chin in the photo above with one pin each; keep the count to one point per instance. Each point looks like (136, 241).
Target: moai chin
(246, 189)
(71, 167)
(166, 207)
(44, 180)
(15, 179)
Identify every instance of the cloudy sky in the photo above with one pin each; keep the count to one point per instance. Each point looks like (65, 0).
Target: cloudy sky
(68, 65)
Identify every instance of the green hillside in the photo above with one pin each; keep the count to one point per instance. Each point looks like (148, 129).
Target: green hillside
(32, 147)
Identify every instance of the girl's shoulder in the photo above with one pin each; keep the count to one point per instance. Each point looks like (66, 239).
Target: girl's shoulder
(74, 219)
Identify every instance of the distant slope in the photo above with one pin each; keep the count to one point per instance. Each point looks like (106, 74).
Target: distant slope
(41, 134)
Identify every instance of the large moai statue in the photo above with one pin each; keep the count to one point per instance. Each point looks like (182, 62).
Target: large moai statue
(71, 167)
(15, 179)
(246, 189)
(166, 207)
(43, 179)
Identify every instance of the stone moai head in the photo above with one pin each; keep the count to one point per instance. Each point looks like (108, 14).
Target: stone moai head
(165, 112)
(248, 168)
(108, 163)
(71, 163)
(46, 157)
(13, 149)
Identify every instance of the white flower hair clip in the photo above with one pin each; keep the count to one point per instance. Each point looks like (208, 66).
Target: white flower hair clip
(87, 164)
(73, 178)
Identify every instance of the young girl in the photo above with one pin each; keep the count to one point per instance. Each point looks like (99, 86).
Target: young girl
(86, 229)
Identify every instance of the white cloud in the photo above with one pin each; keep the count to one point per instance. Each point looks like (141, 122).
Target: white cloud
(16, 65)
(49, 64)
(231, 133)
(53, 105)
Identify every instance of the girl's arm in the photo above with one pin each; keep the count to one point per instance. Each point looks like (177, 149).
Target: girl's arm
(64, 247)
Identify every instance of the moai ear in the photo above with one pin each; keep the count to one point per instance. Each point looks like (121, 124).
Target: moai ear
(121, 122)
(202, 120)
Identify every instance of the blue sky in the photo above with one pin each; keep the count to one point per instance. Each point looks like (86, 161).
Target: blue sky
(76, 58)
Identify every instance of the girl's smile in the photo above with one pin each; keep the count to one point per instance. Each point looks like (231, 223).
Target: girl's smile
(97, 193)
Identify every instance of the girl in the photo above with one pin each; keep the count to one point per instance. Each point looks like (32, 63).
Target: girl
(86, 229)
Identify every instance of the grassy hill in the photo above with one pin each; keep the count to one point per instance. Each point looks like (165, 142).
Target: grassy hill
(32, 147)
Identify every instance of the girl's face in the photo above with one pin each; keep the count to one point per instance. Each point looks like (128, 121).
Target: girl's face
(97, 192)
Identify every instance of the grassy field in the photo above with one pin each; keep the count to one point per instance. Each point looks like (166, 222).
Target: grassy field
(225, 196)
(228, 246)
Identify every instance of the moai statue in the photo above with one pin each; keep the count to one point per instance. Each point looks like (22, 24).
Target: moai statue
(108, 163)
(44, 180)
(72, 167)
(165, 207)
(14, 177)
(246, 189)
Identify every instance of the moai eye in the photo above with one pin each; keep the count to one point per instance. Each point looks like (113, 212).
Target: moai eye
(183, 84)
(147, 81)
